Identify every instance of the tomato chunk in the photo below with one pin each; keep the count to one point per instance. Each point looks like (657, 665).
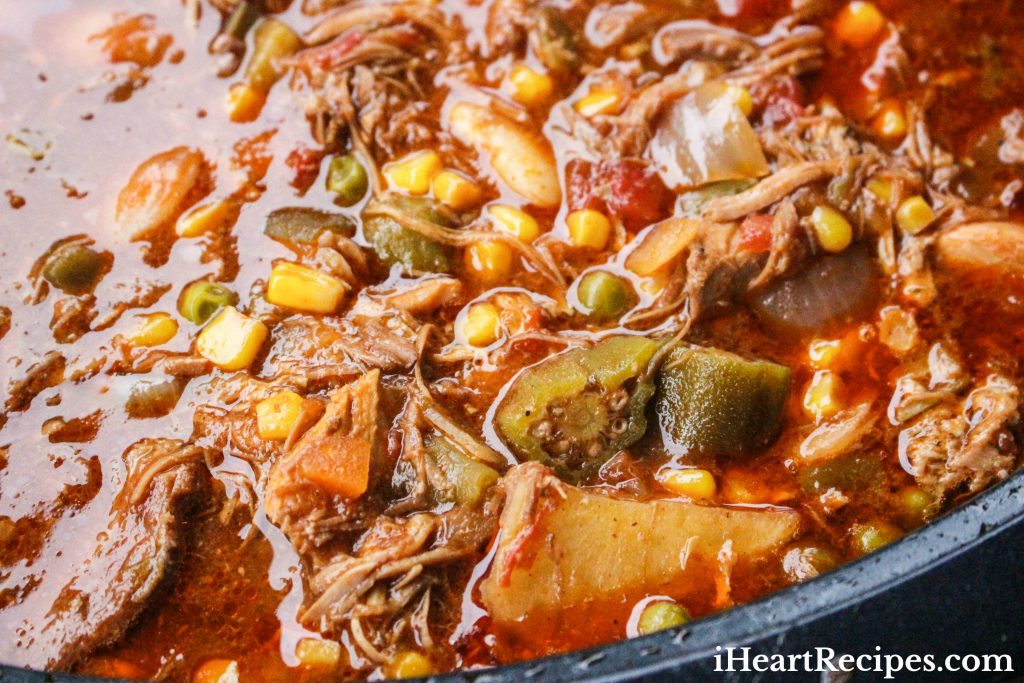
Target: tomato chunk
(628, 189)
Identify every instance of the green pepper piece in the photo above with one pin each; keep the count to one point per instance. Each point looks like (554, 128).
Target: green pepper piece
(202, 299)
(347, 179)
(469, 478)
(241, 20)
(717, 403)
(73, 268)
(300, 225)
(273, 42)
(604, 296)
(579, 408)
(693, 203)
(857, 472)
(397, 244)
(554, 41)
(660, 615)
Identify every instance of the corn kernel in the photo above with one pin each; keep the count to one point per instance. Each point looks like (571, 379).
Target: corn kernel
(480, 325)
(914, 215)
(318, 653)
(276, 415)
(411, 664)
(824, 352)
(455, 191)
(602, 100)
(231, 340)
(304, 289)
(821, 400)
(414, 172)
(859, 23)
(742, 98)
(245, 102)
(881, 188)
(514, 222)
(217, 671)
(691, 483)
(153, 330)
(833, 231)
(204, 218)
(489, 261)
(529, 87)
(890, 122)
(589, 228)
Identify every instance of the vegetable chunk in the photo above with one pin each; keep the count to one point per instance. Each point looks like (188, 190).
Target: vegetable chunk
(717, 403)
(563, 549)
(579, 408)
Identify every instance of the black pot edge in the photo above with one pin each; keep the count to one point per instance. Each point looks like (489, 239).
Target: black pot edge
(835, 610)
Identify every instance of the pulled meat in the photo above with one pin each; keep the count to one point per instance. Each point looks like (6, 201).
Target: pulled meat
(965, 446)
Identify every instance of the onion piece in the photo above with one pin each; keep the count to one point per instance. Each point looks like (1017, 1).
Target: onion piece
(996, 247)
(830, 289)
(661, 243)
(704, 138)
(519, 156)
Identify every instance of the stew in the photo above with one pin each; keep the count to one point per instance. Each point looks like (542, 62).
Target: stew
(349, 339)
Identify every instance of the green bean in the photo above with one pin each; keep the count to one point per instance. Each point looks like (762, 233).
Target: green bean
(301, 225)
(202, 299)
(660, 615)
(73, 268)
(347, 179)
(241, 20)
(604, 296)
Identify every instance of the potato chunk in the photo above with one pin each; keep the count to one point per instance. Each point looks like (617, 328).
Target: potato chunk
(563, 550)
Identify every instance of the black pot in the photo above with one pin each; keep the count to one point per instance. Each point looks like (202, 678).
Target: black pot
(954, 587)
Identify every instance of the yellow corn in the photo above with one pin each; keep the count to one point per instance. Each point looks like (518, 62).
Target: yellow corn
(823, 352)
(890, 122)
(881, 188)
(304, 289)
(589, 228)
(741, 96)
(529, 87)
(276, 415)
(691, 483)
(480, 325)
(914, 215)
(204, 218)
(514, 222)
(313, 652)
(489, 261)
(821, 400)
(411, 664)
(231, 340)
(153, 330)
(455, 191)
(833, 231)
(859, 23)
(414, 172)
(244, 102)
(600, 100)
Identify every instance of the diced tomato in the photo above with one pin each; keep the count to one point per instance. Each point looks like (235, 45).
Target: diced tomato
(305, 165)
(780, 100)
(756, 233)
(628, 189)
